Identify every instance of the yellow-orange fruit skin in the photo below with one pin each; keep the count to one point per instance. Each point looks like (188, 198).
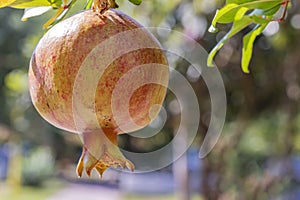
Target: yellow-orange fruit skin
(59, 55)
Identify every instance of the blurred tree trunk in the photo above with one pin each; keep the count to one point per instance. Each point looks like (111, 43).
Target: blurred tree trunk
(180, 169)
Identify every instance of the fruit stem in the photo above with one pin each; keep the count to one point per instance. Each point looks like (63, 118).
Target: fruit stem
(100, 152)
(103, 5)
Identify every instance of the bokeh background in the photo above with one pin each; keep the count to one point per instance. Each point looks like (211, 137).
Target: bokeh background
(256, 157)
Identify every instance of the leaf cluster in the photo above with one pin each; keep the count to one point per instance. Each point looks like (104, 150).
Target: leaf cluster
(256, 14)
(34, 8)
(242, 14)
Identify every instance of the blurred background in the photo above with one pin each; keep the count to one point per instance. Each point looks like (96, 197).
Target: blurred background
(256, 157)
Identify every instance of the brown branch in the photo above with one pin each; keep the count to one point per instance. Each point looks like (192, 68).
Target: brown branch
(285, 3)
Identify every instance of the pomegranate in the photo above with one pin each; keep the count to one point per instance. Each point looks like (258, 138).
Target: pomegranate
(98, 75)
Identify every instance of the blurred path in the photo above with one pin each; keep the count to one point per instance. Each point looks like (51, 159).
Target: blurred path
(86, 192)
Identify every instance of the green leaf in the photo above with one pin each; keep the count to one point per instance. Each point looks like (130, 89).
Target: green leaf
(35, 3)
(272, 11)
(225, 15)
(255, 4)
(261, 4)
(248, 41)
(236, 27)
(136, 2)
(240, 13)
(88, 4)
(237, 8)
(4, 3)
(238, 1)
(259, 19)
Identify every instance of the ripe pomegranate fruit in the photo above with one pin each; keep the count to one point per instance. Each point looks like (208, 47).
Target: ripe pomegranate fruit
(74, 78)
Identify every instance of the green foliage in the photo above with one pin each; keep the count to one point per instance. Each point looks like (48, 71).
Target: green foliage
(38, 166)
(242, 13)
(33, 8)
(236, 27)
(5, 3)
(16, 81)
(248, 45)
(136, 2)
(89, 4)
(21, 4)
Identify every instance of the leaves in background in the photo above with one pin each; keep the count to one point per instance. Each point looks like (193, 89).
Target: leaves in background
(248, 46)
(36, 11)
(88, 4)
(242, 13)
(136, 2)
(236, 27)
(4, 3)
(21, 4)
(226, 14)
(60, 14)
(34, 8)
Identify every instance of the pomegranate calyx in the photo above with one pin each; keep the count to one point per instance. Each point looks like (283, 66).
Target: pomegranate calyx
(100, 153)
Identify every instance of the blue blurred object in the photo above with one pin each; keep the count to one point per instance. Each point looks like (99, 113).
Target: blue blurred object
(147, 183)
(296, 166)
(4, 157)
(195, 168)
(162, 181)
